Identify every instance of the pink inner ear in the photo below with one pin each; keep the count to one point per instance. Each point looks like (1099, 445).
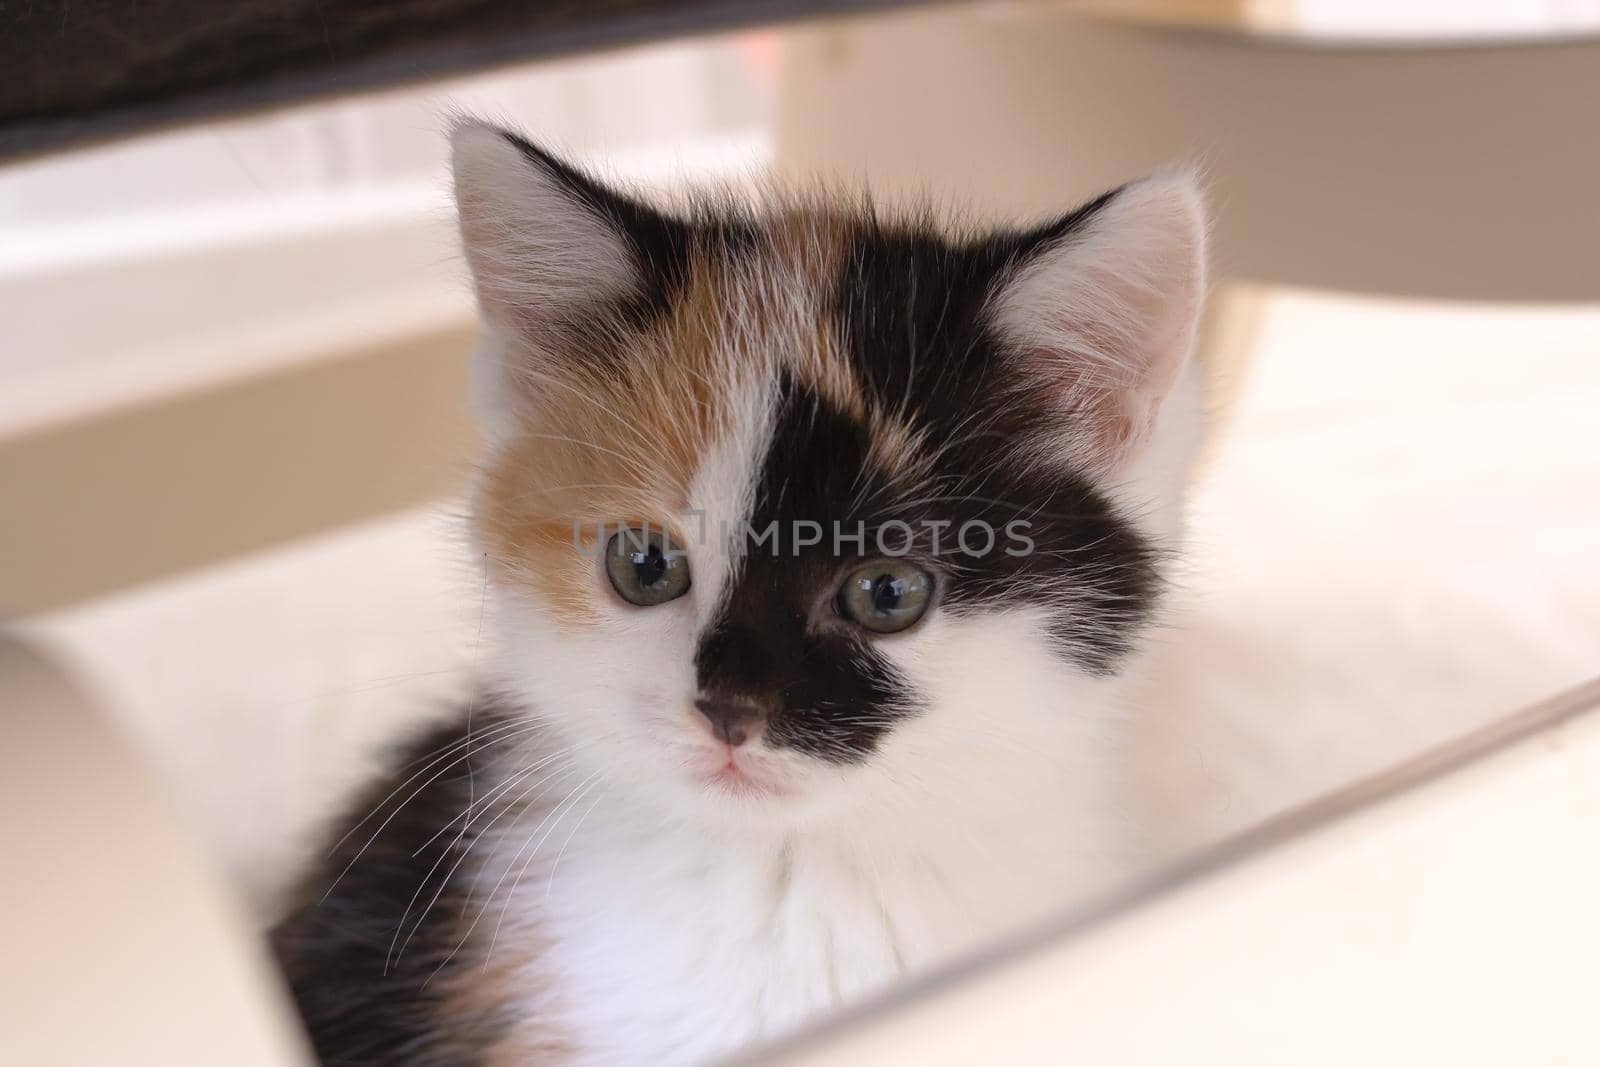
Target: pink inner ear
(1119, 417)
(1105, 317)
(1099, 420)
(1107, 376)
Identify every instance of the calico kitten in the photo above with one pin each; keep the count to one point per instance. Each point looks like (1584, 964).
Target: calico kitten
(821, 548)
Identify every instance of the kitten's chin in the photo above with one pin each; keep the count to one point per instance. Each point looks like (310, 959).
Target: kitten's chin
(738, 787)
(735, 778)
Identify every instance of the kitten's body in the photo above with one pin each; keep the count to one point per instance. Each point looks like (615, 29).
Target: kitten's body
(677, 946)
(616, 877)
(616, 937)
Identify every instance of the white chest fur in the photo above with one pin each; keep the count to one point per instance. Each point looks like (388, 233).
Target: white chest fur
(681, 945)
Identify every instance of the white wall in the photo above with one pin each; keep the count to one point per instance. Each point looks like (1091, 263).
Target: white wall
(128, 252)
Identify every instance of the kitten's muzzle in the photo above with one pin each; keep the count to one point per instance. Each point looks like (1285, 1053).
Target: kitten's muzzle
(734, 720)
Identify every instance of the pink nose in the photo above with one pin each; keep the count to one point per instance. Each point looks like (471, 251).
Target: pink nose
(732, 720)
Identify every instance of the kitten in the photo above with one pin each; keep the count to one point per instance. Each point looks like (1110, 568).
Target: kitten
(821, 549)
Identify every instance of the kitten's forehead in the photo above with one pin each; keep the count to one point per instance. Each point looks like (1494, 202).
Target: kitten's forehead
(758, 303)
(785, 306)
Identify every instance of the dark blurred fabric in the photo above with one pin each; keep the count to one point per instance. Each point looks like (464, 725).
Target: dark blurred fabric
(78, 70)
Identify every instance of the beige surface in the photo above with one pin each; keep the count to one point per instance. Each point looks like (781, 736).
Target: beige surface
(1451, 923)
(371, 418)
(122, 943)
(1397, 541)
(266, 688)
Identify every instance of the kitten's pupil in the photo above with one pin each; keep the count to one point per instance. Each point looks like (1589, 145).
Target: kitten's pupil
(650, 565)
(887, 590)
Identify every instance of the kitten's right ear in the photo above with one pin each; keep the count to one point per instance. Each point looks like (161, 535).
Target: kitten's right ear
(543, 240)
(1104, 310)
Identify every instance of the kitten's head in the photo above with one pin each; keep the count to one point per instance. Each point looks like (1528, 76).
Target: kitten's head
(791, 509)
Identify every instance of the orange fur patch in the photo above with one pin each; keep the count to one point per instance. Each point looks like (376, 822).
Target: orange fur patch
(620, 441)
(608, 444)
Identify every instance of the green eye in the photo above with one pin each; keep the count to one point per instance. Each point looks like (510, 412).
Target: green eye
(644, 568)
(886, 596)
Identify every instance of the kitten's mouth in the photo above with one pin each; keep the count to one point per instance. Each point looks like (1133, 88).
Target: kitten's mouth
(734, 775)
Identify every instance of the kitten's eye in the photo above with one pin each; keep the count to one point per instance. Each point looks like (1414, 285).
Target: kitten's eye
(886, 596)
(643, 569)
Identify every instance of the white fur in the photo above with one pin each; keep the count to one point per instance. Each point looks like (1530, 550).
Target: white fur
(674, 923)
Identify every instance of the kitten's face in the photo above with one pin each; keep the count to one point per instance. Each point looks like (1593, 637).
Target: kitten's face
(791, 512)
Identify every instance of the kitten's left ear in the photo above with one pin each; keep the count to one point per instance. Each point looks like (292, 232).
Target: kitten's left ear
(556, 256)
(1103, 313)
(542, 238)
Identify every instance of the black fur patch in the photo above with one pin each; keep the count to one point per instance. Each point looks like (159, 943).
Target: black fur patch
(910, 313)
(363, 1000)
(775, 641)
